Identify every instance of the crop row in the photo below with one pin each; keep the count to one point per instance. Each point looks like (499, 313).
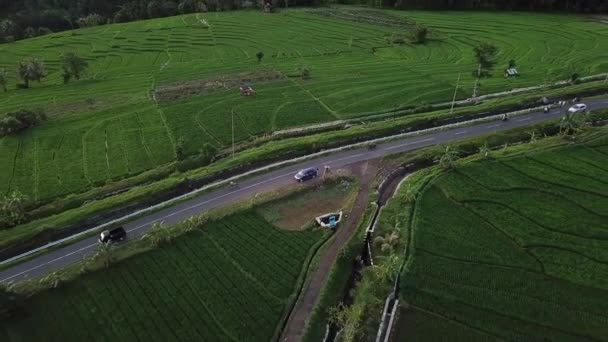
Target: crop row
(515, 252)
(221, 284)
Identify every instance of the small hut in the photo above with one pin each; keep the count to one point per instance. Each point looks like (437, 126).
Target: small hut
(511, 72)
(246, 89)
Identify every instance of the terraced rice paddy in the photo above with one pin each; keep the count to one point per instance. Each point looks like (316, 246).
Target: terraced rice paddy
(230, 282)
(516, 249)
(109, 126)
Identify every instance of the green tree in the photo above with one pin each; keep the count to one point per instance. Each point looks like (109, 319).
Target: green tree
(484, 55)
(448, 158)
(186, 6)
(420, 34)
(104, 255)
(569, 124)
(31, 69)
(8, 30)
(159, 235)
(259, 56)
(90, 20)
(73, 66)
(29, 32)
(4, 79)
(12, 208)
(511, 63)
(388, 241)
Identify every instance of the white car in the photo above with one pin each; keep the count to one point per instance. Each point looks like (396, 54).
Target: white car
(578, 108)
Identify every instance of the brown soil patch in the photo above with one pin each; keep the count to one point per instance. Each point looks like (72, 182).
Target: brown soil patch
(296, 218)
(296, 324)
(185, 89)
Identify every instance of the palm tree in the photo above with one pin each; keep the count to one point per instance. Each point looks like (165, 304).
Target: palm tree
(388, 241)
(569, 125)
(3, 79)
(484, 150)
(448, 158)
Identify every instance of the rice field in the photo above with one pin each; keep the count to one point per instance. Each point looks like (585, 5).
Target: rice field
(109, 125)
(230, 281)
(514, 248)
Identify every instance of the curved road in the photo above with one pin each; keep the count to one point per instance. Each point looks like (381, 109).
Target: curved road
(67, 255)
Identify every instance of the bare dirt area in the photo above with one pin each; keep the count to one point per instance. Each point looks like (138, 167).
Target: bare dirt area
(296, 324)
(180, 90)
(298, 211)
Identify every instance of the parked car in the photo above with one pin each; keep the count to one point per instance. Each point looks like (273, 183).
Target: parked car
(578, 108)
(114, 235)
(306, 174)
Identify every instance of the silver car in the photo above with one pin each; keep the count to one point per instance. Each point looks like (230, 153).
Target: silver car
(578, 108)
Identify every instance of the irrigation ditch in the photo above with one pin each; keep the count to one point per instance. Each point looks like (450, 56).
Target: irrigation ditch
(386, 190)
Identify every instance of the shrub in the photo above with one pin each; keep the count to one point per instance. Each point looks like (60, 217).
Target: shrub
(420, 33)
(16, 122)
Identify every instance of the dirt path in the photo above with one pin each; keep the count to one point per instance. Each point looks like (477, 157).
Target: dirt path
(296, 324)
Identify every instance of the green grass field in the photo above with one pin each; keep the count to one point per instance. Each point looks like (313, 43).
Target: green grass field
(110, 125)
(516, 247)
(230, 281)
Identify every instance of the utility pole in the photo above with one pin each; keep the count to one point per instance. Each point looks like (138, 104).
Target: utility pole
(477, 81)
(232, 112)
(455, 91)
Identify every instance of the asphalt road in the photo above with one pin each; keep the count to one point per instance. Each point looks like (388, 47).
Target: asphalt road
(67, 255)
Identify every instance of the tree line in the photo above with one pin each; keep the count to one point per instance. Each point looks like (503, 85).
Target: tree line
(21, 19)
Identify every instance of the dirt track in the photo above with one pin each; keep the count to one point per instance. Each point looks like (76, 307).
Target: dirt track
(296, 324)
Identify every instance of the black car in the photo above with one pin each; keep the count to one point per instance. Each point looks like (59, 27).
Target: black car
(114, 235)
(306, 174)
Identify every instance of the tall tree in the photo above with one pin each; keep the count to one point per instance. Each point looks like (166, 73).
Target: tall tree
(73, 66)
(484, 55)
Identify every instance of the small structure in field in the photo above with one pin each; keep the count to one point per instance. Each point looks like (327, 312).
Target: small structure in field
(511, 72)
(329, 220)
(246, 89)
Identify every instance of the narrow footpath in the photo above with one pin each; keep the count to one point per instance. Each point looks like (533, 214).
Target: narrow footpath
(296, 324)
